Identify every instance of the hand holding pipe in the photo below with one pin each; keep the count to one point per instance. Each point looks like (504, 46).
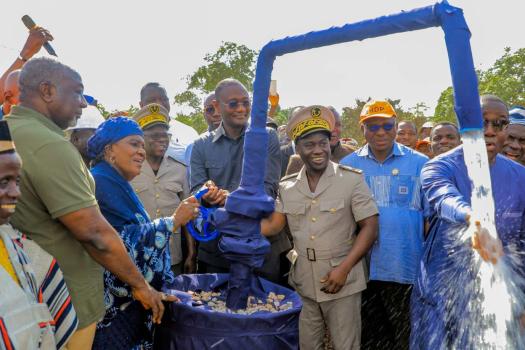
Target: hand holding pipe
(207, 231)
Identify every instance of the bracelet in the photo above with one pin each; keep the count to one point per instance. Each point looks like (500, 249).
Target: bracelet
(22, 59)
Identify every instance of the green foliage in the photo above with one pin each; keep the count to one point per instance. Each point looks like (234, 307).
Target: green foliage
(195, 120)
(282, 115)
(506, 79)
(445, 107)
(350, 121)
(231, 60)
(107, 114)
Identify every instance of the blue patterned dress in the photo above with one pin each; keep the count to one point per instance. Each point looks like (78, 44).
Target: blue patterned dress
(126, 325)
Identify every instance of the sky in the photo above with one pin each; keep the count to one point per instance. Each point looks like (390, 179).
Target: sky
(118, 46)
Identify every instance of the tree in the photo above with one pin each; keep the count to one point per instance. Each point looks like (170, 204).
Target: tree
(231, 60)
(350, 121)
(506, 79)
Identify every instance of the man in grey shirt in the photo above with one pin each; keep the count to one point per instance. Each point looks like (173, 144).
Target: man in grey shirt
(217, 156)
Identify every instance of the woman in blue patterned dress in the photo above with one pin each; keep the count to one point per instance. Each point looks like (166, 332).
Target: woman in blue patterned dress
(118, 151)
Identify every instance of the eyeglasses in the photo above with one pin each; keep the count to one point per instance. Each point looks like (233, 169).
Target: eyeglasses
(209, 110)
(158, 136)
(234, 104)
(376, 127)
(497, 125)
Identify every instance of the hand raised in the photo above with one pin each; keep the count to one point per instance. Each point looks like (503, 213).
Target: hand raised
(37, 37)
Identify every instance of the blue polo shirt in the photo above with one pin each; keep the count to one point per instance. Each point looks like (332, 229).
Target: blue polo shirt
(396, 187)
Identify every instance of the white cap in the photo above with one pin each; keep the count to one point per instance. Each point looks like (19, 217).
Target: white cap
(91, 118)
(428, 125)
(182, 134)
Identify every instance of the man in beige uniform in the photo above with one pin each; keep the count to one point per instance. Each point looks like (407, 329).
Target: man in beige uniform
(333, 221)
(163, 181)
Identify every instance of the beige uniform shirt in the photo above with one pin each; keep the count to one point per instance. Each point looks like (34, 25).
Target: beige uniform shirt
(323, 227)
(161, 194)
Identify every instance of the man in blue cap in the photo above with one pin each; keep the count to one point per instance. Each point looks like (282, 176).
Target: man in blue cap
(514, 145)
(441, 299)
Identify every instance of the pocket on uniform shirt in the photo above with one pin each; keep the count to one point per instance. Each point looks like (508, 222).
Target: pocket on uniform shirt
(294, 208)
(174, 188)
(332, 206)
(294, 211)
(140, 189)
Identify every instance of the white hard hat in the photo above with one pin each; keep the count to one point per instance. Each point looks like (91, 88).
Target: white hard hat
(91, 118)
(182, 134)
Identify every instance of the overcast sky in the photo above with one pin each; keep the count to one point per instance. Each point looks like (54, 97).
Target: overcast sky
(117, 46)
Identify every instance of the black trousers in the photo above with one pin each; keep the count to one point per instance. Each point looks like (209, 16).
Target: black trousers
(203, 267)
(385, 314)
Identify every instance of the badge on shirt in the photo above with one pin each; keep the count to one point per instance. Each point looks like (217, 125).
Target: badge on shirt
(395, 171)
(403, 190)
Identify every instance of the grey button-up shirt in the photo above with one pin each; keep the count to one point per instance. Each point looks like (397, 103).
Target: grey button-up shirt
(217, 157)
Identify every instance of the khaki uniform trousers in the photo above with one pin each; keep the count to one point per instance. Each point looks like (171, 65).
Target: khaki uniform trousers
(342, 316)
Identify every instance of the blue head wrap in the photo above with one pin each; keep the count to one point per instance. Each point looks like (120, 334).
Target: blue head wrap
(110, 132)
(517, 115)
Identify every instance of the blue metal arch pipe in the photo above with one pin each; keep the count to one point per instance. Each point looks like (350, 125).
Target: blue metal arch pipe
(464, 82)
(241, 241)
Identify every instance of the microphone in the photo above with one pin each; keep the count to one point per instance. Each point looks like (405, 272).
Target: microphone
(30, 24)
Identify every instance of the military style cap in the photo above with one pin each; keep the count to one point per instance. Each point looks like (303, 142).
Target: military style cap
(308, 120)
(6, 142)
(376, 109)
(152, 114)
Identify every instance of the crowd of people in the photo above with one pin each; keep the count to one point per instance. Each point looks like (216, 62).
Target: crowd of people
(93, 213)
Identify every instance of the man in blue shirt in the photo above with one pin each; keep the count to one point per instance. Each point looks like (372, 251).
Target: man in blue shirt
(392, 172)
(444, 296)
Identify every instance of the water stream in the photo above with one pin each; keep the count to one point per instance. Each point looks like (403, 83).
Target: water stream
(496, 294)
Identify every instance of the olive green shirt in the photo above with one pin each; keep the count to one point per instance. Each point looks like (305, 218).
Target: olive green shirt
(55, 182)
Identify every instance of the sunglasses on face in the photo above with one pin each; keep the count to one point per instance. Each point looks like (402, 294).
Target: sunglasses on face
(233, 104)
(376, 127)
(497, 125)
(158, 136)
(209, 110)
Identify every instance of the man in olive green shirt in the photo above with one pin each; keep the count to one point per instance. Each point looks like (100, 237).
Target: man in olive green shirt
(58, 208)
